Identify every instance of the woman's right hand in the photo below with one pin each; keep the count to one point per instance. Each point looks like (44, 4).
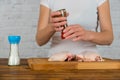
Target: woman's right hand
(56, 21)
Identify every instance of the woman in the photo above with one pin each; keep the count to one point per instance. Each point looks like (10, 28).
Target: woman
(83, 19)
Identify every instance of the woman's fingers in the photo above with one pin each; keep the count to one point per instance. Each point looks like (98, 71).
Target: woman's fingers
(55, 14)
(58, 24)
(58, 29)
(74, 32)
(57, 21)
(56, 17)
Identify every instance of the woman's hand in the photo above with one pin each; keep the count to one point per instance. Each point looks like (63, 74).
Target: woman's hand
(56, 21)
(76, 32)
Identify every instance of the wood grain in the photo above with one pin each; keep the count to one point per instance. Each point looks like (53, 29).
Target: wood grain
(44, 64)
(23, 72)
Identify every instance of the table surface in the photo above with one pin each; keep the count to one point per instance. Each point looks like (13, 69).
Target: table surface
(23, 72)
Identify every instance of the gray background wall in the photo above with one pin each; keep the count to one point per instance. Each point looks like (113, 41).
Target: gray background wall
(20, 17)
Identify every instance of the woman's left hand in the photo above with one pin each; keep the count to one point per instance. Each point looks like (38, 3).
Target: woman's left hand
(76, 32)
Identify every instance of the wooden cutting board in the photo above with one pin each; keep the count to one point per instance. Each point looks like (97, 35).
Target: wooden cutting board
(44, 64)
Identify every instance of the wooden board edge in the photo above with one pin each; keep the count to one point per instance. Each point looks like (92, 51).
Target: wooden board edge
(101, 65)
(80, 65)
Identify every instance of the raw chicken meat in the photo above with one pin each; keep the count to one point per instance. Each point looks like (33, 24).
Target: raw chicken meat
(62, 56)
(82, 57)
(89, 56)
(79, 57)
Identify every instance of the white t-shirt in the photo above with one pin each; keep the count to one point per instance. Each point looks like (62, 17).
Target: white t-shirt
(83, 12)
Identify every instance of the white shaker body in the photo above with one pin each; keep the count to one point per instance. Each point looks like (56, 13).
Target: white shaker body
(14, 58)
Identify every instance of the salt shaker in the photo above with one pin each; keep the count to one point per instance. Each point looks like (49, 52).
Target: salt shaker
(14, 58)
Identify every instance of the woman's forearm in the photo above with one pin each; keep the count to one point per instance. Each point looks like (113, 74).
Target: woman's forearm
(44, 35)
(105, 36)
(101, 38)
(44, 31)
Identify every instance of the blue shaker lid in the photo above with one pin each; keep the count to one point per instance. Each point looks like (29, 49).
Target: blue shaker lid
(14, 39)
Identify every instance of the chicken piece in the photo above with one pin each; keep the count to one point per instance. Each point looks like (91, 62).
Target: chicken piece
(82, 57)
(62, 56)
(79, 57)
(89, 56)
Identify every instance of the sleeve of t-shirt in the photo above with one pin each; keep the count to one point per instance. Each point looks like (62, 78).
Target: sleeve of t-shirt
(45, 3)
(100, 2)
